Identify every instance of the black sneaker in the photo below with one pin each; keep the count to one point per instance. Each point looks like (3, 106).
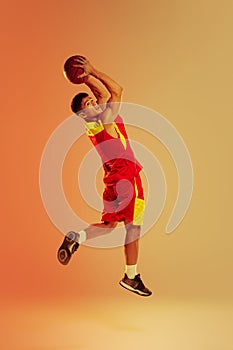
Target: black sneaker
(135, 285)
(68, 247)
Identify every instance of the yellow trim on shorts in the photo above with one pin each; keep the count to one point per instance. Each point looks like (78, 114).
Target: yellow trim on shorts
(139, 208)
(93, 128)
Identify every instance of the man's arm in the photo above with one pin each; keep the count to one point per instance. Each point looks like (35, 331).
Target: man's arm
(99, 91)
(114, 89)
(112, 108)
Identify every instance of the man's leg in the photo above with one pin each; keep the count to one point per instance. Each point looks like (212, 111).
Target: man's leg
(72, 240)
(132, 281)
(131, 248)
(99, 229)
(132, 243)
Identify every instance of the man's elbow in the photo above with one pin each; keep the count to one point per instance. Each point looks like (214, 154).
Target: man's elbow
(120, 90)
(117, 92)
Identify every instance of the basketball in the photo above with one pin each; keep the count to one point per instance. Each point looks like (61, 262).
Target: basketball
(71, 72)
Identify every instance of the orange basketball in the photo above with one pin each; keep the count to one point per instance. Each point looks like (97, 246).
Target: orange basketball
(72, 73)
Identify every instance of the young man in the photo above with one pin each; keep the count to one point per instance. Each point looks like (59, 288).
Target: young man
(123, 195)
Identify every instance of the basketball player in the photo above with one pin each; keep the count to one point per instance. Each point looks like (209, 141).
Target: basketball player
(123, 194)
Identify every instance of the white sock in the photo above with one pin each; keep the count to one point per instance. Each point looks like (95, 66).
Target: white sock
(82, 236)
(130, 271)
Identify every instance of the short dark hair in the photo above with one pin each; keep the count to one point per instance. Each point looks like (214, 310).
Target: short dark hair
(77, 100)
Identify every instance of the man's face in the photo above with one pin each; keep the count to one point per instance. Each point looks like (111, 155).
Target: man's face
(90, 108)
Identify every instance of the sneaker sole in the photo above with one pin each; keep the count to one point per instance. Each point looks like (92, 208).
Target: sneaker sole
(64, 253)
(131, 289)
(64, 256)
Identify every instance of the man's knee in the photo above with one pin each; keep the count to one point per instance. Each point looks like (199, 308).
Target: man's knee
(133, 232)
(129, 226)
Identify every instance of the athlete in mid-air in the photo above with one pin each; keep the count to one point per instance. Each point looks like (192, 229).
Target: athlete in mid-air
(123, 198)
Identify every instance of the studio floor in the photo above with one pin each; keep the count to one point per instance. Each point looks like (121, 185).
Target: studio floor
(128, 323)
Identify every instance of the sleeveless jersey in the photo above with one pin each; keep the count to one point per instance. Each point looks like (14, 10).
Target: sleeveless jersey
(117, 155)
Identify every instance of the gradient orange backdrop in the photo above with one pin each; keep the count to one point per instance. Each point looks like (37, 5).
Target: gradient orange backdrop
(172, 56)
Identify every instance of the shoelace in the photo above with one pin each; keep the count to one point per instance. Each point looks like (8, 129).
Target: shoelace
(138, 278)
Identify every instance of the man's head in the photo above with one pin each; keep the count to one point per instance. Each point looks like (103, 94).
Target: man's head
(85, 106)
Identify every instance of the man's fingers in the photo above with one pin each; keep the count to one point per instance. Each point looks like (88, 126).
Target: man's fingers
(78, 65)
(80, 59)
(82, 75)
(79, 62)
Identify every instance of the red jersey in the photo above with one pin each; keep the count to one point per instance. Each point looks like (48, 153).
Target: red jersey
(117, 156)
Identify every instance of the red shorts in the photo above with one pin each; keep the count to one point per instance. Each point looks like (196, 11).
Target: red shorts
(124, 201)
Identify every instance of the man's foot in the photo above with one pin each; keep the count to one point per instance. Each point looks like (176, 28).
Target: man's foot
(135, 285)
(68, 247)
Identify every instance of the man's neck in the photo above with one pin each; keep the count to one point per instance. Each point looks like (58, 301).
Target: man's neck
(87, 120)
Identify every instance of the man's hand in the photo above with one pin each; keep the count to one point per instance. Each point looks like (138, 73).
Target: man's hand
(82, 62)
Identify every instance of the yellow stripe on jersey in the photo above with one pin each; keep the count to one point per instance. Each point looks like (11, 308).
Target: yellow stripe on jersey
(139, 207)
(122, 138)
(93, 128)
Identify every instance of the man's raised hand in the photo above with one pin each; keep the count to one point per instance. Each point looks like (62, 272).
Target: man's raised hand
(82, 62)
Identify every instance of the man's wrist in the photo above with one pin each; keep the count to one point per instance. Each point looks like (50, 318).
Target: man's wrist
(95, 73)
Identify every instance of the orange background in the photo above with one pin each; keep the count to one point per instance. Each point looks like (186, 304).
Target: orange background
(172, 56)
